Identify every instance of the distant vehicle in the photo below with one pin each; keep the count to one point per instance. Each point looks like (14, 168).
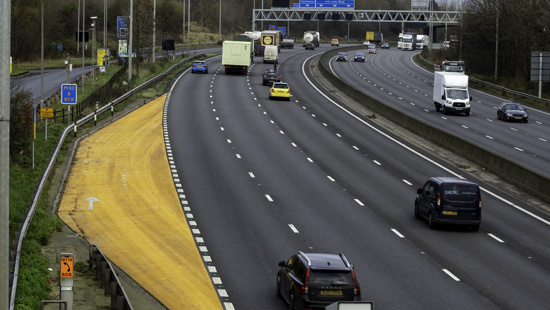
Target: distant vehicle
(400, 40)
(409, 41)
(199, 66)
(446, 44)
(385, 45)
(366, 43)
(310, 46)
(271, 37)
(312, 37)
(341, 56)
(236, 56)
(270, 76)
(449, 200)
(279, 90)
(508, 111)
(334, 42)
(371, 49)
(454, 41)
(375, 36)
(451, 92)
(271, 54)
(451, 66)
(288, 42)
(422, 41)
(359, 57)
(316, 280)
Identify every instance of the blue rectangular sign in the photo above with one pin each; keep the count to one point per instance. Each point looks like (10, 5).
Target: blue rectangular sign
(327, 4)
(122, 27)
(68, 93)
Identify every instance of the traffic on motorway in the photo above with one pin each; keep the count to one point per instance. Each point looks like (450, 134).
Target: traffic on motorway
(280, 188)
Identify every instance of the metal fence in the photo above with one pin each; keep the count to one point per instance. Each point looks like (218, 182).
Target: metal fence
(15, 257)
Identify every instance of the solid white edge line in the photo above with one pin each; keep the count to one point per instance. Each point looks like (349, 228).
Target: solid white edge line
(415, 152)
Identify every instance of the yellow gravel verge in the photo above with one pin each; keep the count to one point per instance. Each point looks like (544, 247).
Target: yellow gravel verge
(138, 222)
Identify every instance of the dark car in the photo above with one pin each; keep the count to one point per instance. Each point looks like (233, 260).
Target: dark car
(315, 280)
(449, 200)
(271, 76)
(359, 57)
(508, 111)
(310, 46)
(341, 56)
(385, 45)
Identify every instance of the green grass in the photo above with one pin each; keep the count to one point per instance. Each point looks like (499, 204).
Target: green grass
(33, 283)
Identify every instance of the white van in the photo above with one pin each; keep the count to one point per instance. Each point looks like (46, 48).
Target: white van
(271, 54)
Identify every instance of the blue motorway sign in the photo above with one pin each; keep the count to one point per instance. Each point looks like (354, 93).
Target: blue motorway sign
(122, 27)
(68, 93)
(281, 29)
(348, 4)
(327, 4)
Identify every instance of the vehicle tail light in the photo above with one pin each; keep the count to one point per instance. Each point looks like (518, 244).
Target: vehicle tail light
(288, 91)
(272, 90)
(439, 201)
(305, 288)
(479, 202)
(356, 288)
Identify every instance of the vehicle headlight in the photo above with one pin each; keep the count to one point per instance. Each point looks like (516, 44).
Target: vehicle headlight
(509, 114)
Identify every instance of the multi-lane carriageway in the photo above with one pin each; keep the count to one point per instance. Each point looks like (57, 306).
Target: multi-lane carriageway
(263, 179)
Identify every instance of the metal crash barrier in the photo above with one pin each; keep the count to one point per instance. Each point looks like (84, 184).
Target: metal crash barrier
(108, 279)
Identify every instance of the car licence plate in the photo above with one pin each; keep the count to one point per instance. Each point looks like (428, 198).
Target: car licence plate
(331, 292)
(449, 212)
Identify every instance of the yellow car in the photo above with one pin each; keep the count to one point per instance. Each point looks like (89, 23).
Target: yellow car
(279, 90)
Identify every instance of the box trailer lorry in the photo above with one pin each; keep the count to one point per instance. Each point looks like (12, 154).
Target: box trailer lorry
(375, 37)
(236, 56)
(451, 92)
(422, 41)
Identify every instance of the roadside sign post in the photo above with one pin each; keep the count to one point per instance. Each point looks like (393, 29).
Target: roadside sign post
(68, 96)
(66, 280)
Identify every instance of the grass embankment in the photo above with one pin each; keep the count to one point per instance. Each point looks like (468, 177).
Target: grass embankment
(33, 282)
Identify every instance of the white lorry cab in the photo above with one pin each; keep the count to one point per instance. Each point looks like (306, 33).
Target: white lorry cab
(400, 40)
(451, 92)
(271, 54)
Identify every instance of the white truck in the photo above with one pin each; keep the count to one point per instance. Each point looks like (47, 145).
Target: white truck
(400, 40)
(451, 92)
(409, 42)
(236, 56)
(422, 41)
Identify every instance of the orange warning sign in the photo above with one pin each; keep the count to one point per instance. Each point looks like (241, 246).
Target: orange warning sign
(66, 267)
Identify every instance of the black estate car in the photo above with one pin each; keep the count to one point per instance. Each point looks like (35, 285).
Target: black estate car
(315, 280)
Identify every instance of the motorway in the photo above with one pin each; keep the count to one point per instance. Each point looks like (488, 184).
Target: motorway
(268, 178)
(265, 179)
(391, 77)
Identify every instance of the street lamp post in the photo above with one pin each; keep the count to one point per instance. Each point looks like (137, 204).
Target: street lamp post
(93, 18)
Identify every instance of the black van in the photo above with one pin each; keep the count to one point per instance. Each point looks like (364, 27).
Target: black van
(449, 200)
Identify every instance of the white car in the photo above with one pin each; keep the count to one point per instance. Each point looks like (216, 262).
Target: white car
(366, 43)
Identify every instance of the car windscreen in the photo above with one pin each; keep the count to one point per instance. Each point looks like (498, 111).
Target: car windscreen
(461, 94)
(460, 192)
